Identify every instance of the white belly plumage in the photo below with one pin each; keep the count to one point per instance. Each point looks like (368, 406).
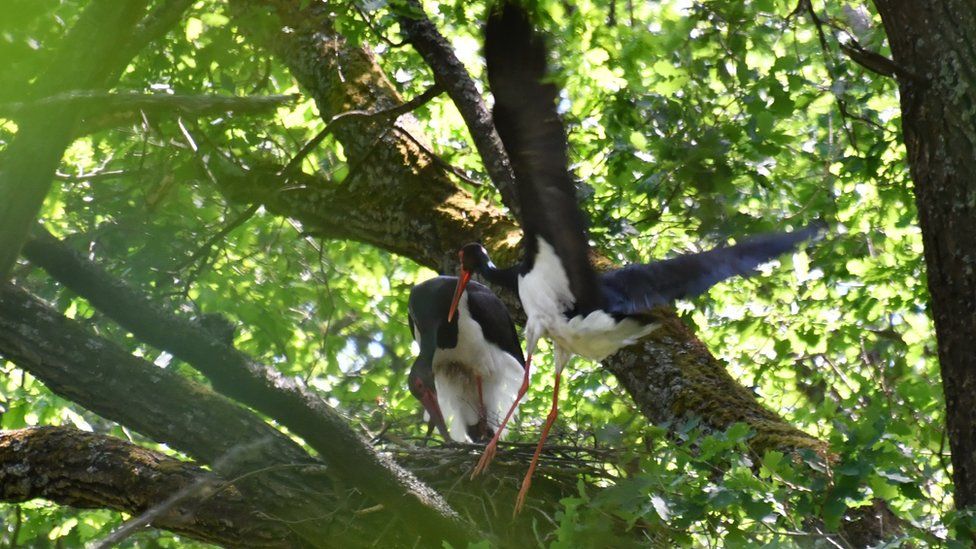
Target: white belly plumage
(455, 371)
(545, 294)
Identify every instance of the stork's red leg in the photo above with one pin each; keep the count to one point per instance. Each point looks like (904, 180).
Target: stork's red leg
(553, 413)
(489, 452)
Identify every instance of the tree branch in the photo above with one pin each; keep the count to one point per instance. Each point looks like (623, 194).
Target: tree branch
(377, 117)
(265, 389)
(106, 109)
(163, 17)
(875, 62)
(204, 248)
(88, 58)
(450, 73)
(86, 470)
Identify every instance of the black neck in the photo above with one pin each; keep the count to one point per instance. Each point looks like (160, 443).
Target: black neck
(506, 278)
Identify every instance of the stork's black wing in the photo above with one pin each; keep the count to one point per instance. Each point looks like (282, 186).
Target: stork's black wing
(491, 314)
(529, 126)
(637, 288)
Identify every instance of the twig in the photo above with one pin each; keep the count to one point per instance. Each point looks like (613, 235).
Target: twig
(237, 480)
(368, 510)
(807, 5)
(450, 73)
(372, 26)
(157, 23)
(440, 162)
(95, 176)
(18, 523)
(220, 235)
(131, 526)
(380, 116)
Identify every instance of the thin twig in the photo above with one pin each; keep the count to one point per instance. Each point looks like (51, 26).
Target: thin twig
(380, 116)
(220, 235)
(831, 69)
(440, 162)
(372, 26)
(131, 526)
(95, 176)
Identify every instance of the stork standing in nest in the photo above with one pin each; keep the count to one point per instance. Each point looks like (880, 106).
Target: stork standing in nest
(582, 312)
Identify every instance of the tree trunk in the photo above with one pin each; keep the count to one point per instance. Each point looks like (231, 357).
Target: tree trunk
(934, 43)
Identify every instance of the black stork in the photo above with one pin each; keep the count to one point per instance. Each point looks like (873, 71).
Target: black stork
(470, 368)
(564, 298)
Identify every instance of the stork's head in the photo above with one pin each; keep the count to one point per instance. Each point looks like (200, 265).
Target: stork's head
(421, 382)
(473, 258)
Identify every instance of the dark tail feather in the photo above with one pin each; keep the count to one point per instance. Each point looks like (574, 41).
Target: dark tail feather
(637, 288)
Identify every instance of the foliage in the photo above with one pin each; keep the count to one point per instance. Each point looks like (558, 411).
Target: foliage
(690, 124)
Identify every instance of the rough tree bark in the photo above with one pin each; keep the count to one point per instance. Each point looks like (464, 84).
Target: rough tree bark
(85, 470)
(933, 42)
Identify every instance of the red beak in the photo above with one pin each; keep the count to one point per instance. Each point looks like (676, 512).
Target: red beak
(462, 283)
(429, 400)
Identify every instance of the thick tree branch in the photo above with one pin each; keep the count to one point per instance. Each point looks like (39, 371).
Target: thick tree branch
(88, 58)
(86, 470)
(237, 376)
(282, 480)
(450, 73)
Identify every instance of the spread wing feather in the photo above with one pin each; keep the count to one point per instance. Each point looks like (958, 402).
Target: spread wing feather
(635, 289)
(530, 129)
